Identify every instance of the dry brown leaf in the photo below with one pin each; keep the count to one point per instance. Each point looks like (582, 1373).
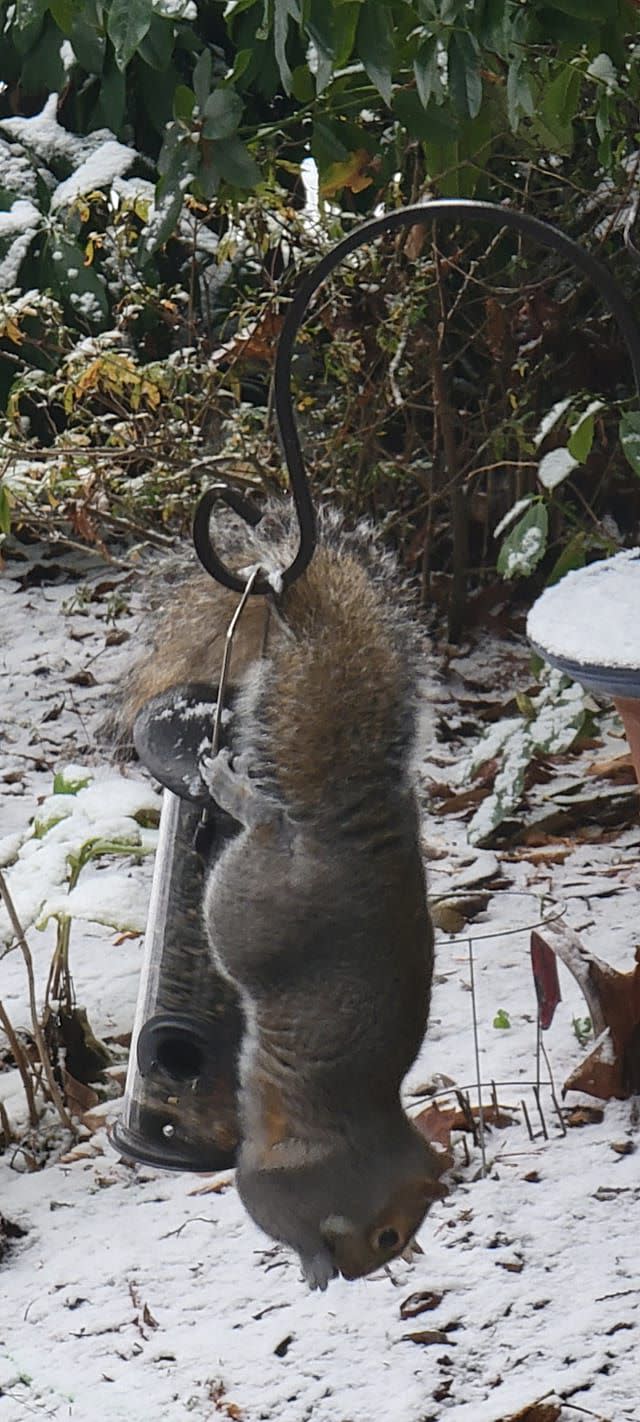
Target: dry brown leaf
(618, 768)
(213, 1187)
(422, 1302)
(584, 1116)
(428, 1336)
(537, 1412)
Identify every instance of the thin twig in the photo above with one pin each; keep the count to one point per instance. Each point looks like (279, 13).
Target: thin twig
(52, 1084)
(21, 1060)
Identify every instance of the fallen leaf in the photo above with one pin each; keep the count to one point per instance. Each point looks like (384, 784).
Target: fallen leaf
(584, 1116)
(536, 1412)
(428, 1336)
(622, 1147)
(213, 1187)
(422, 1302)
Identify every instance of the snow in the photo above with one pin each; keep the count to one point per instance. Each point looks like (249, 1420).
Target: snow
(555, 466)
(524, 557)
(111, 160)
(591, 615)
(47, 138)
(136, 1294)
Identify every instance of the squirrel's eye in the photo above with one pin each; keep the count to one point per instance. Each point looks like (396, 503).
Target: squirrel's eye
(387, 1239)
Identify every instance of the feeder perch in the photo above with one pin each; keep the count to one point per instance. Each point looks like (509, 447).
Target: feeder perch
(587, 627)
(179, 1110)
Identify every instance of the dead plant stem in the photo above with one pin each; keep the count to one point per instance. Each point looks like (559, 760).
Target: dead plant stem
(52, 1084)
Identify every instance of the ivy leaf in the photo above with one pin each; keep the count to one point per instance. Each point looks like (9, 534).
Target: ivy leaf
(629, 431)
(526, 544)
(127, 24)
(222, 114)
(376, 48)
(465, 83)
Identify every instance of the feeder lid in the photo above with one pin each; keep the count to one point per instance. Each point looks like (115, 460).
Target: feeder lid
(171, 732)
(588, 624)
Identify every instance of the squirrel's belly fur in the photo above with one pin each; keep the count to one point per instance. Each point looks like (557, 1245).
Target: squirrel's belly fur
(317, 911)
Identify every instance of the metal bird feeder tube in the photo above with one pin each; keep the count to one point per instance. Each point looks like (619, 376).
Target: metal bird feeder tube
(179, 1107)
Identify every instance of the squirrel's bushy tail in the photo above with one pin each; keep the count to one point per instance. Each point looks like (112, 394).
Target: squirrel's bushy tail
(329, 716)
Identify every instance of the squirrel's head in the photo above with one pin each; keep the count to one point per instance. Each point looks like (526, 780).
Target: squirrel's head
(358, 1249)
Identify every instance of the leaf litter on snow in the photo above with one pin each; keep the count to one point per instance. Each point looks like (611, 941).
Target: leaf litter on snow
(527, 1274)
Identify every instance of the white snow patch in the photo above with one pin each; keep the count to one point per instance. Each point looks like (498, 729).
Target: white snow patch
(98, 171)
(555, 466)
(593, 614)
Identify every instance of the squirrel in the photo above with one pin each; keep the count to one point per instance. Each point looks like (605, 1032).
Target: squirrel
(316, 912)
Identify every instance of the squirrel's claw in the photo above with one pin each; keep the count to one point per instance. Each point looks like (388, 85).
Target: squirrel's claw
(232, 790)
(318, 1270)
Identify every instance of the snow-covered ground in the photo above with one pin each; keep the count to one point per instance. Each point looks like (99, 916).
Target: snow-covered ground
(139, 1295)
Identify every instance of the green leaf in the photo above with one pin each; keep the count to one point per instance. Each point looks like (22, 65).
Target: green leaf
(428, 77)
(235, 164)
(581, 437)
(43, 69)
(284, 10)
(524, 547)
(63, 12)
(241, 62)
(345, 24)
(629, 431)
(157, 46)
(319, 28)
(5, 510)
(375, 46)
(109, 110)
(78, 286)
(88, 44)
(128, 22)
(558, 108)
(222, 114)
(176, 164)
(434, 124)
(572, 556)
(502, 1020)
(69, 782)
(465, 83)
(520, 98)
(201, 78)
(183, 104)
(585, 9)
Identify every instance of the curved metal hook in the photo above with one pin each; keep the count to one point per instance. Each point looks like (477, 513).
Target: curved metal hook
(482, 212)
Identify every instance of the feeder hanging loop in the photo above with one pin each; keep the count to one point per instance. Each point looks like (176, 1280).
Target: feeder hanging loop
(448, 208)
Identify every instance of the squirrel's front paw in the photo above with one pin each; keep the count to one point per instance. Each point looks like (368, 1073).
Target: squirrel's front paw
(318, 1269)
